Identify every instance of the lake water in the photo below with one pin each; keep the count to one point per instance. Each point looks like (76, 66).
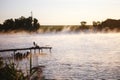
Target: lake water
(74, 56)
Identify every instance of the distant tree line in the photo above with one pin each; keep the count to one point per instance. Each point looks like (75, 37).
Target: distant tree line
(32, 25)
(109, 24)
(22, 23)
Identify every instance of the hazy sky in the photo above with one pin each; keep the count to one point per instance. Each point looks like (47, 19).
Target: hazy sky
(61, 11)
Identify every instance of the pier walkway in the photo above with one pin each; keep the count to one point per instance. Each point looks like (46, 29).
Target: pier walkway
(31, 48)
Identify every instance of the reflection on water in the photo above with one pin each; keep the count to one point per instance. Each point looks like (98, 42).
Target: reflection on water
(74, 56)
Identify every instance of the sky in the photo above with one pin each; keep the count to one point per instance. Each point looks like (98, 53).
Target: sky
(61, 12)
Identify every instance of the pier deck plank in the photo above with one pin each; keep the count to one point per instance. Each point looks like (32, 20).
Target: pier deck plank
(40, 48)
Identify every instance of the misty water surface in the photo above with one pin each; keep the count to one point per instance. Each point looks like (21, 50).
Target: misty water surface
(74, 56)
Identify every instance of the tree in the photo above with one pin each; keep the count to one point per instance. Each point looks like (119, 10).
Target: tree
(96, 23)
(0, 27)
(19, 24)
(111, 24)
(8, 24)
(36, 24)
(83, 23)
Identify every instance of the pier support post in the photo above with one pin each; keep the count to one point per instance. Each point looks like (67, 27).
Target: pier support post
(41, 50)
(30, 51)
(50, 50)
(14, 56)
(30, 63)
(34, 50)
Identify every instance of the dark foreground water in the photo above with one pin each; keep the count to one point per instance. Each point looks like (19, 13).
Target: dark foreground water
(73, 57)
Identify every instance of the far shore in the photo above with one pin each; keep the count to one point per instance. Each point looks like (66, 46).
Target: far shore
(63, 29)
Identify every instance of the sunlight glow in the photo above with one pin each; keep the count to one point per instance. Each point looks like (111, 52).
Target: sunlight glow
(61, 11)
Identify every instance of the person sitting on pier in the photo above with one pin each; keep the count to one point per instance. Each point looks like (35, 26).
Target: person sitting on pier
(36, 46)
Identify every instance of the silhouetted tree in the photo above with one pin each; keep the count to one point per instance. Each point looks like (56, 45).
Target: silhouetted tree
(21, 23)
(36, 24)
(84, 26)
(110, 24)
(83, 23)
(0, 27)
(96, 23)
(8, 24)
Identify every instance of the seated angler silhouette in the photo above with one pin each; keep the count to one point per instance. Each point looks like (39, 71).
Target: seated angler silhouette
(35, 45)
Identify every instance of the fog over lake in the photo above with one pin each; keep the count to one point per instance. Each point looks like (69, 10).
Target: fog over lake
(74, 56)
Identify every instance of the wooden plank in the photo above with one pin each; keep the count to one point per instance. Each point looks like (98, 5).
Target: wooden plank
(25, 49)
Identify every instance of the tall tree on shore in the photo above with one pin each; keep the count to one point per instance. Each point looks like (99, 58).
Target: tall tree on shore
(19, 24)
(36, 24)
(8, 24)
(83, 23)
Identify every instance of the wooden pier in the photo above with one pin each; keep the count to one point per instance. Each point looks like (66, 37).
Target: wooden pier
(31, 48)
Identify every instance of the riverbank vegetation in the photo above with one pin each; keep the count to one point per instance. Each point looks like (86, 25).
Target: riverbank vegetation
(32, 25)
(9, 71)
